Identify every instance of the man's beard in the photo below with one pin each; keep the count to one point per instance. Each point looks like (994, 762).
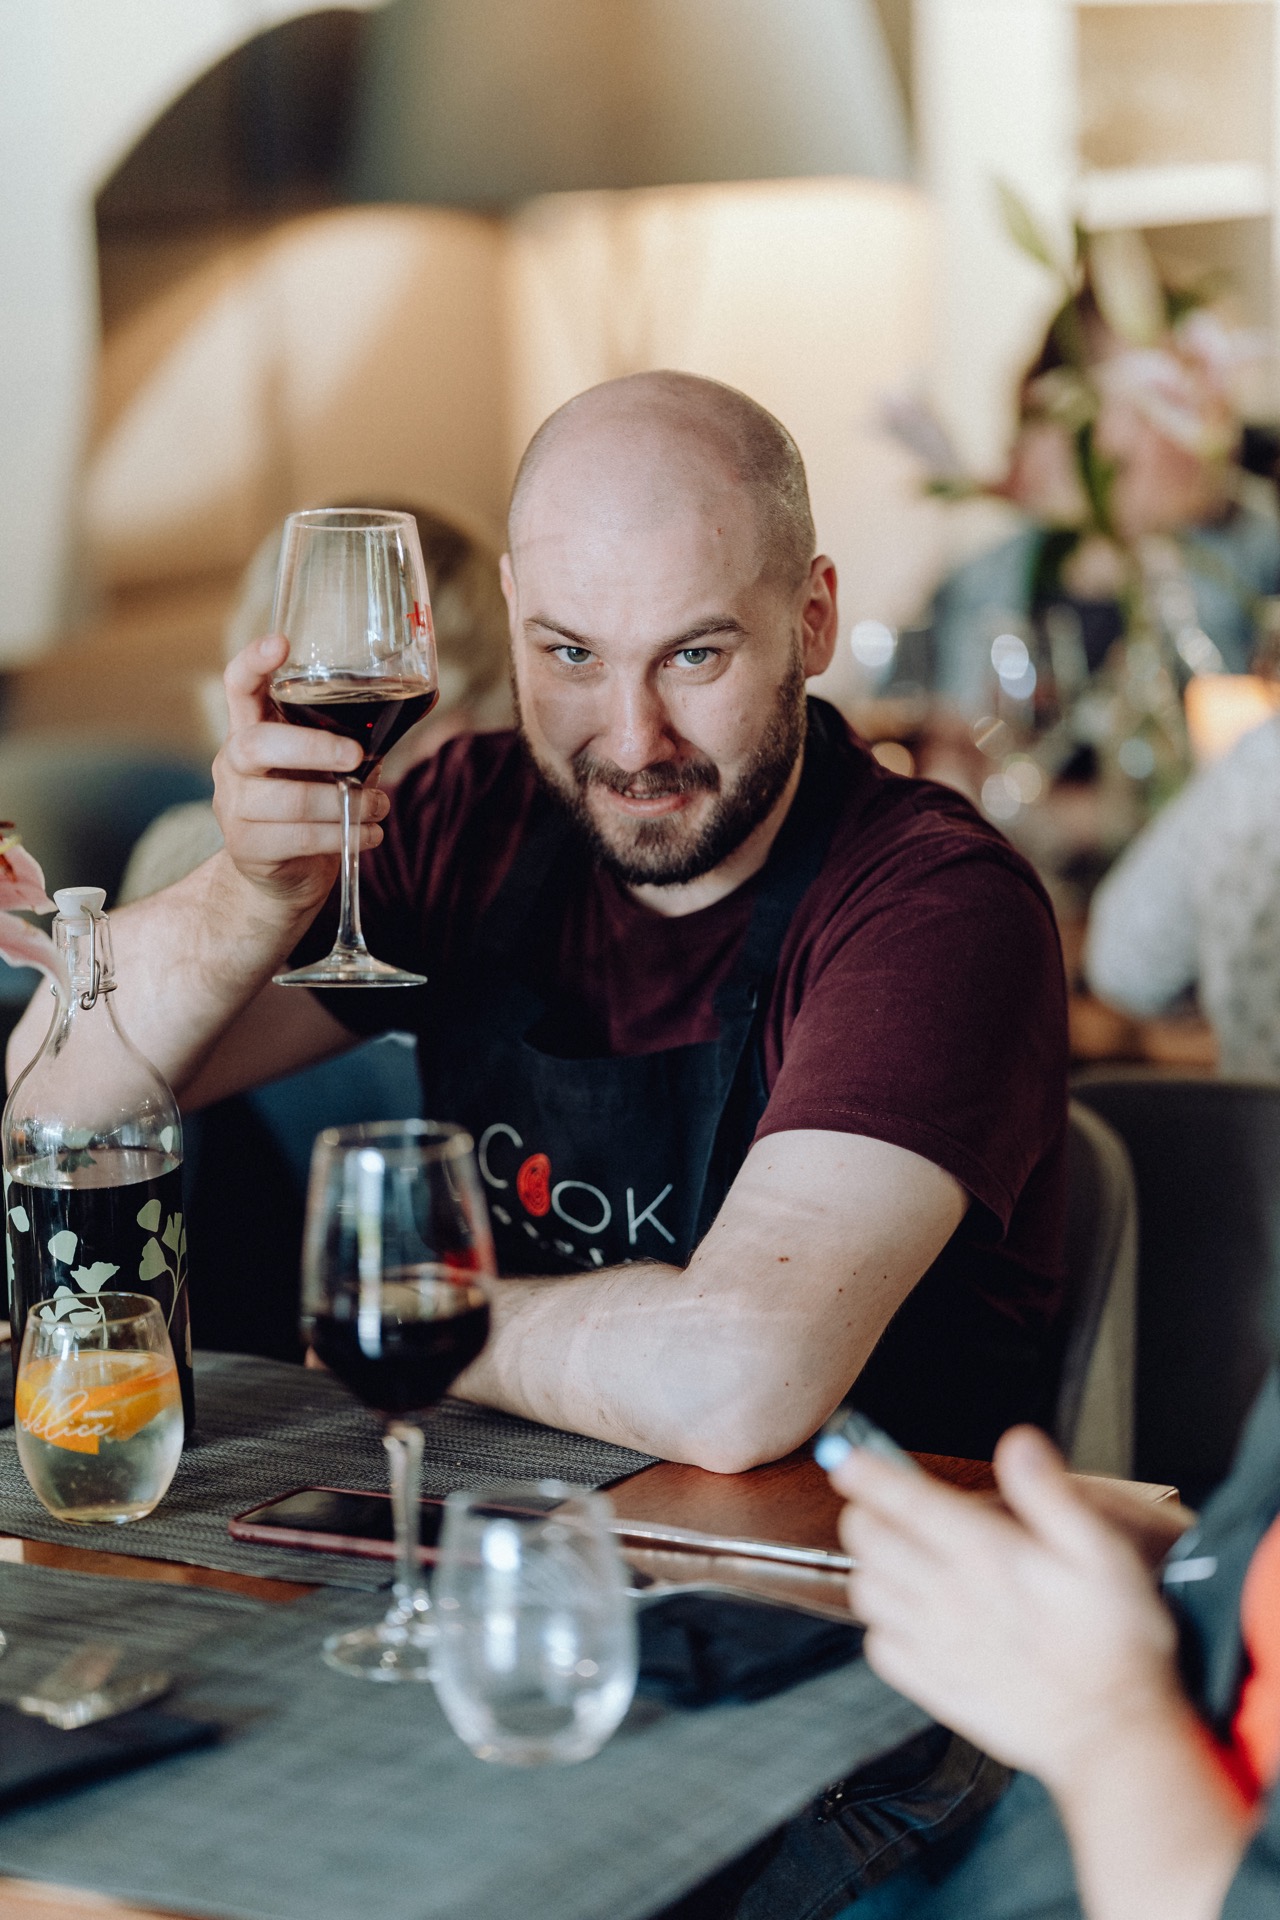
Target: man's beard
(659, 854)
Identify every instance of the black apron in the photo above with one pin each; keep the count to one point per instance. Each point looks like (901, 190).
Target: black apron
(591, 1162)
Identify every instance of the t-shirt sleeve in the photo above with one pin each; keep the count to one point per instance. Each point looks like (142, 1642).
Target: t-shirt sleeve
(933, 1016)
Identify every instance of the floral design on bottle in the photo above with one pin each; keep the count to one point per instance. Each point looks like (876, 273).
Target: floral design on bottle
(16, 1221)
(154, 1260)
(69, 1303)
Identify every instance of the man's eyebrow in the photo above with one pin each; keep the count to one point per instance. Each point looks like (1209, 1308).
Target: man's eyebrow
(701, 630)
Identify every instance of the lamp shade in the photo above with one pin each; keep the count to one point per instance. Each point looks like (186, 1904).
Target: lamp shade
(488, 102)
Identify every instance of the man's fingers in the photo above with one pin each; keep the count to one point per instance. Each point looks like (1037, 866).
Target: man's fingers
(1032, 1477)
(296, 800)
(268, 845)
(248, 677)
(266, 746)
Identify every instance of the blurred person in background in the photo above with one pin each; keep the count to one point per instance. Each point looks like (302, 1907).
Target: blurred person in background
(1128, 435)
(1145, 1723)
(470, 620)
(1194, 904)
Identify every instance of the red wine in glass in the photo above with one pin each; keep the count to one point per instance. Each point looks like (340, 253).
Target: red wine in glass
(352, 602)
(374, 710)
(397, 1265)
(426, 1332)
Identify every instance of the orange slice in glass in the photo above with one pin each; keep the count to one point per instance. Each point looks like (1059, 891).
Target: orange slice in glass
(82, 1399)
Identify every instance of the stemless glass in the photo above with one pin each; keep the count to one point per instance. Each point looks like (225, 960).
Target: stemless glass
(537, 1654)
(98, 1408)
(397, 1257)
(351, 600)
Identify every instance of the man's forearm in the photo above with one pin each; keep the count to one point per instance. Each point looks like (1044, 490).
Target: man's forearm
(1156, 1825)
(640, 1356)
(738, 1357)
(187, 961)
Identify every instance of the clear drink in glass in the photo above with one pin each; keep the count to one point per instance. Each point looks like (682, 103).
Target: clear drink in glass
(98, 1409)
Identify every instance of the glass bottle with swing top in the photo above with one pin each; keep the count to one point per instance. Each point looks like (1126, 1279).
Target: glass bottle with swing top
(92, 1146)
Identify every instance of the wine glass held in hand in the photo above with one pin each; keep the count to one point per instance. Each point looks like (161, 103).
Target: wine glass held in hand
(396, 1264)
(351, 600)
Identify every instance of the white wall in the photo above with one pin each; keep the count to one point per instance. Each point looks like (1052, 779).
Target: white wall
(80, 82)
(816, 297)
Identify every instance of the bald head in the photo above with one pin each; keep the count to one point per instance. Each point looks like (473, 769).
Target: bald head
(650, 440)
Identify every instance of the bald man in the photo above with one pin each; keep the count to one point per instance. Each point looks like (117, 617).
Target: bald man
(762, 1047)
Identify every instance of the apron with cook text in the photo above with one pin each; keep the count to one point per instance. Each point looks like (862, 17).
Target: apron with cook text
(588, 1163)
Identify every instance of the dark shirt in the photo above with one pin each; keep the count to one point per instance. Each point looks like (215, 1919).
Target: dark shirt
(919, 997)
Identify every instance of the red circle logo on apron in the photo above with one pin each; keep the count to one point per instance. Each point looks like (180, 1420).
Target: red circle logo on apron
(533, 1184)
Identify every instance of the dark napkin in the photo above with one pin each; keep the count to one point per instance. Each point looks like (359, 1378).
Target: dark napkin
(37, 1759)
(698, 1651)
(6, 1388)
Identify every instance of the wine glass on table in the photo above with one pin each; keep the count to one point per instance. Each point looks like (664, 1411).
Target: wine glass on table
(351, 600)
(396, 1263)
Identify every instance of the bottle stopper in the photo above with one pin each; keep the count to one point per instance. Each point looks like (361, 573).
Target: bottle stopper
(80, 903)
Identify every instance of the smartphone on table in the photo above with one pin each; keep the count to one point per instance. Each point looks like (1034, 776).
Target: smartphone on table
(338, 1520)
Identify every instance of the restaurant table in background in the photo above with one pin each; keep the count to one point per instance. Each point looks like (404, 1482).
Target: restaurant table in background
(1181, 1040)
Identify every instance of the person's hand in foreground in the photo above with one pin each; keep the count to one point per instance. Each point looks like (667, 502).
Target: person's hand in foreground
(1035, 1630)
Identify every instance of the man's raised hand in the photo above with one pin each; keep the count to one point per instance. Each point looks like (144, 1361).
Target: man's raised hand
(274, 793)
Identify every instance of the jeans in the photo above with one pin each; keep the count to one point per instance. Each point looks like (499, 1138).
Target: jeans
(1012, 1864)
(864, 1832)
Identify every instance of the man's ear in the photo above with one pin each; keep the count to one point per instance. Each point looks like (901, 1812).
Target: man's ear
(507, 576)
(819, 617)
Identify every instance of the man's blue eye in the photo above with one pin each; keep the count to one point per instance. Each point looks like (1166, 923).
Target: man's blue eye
(694, 656)
(574, 655)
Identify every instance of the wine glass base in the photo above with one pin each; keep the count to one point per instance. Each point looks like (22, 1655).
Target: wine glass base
(355, 970)
(382, 1652)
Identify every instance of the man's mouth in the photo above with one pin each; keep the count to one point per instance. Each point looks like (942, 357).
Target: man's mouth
(648, 806)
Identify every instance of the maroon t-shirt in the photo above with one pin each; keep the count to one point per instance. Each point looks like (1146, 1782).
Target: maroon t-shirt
(919, 996)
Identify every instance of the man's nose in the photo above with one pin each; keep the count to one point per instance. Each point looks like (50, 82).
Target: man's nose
(636, 731)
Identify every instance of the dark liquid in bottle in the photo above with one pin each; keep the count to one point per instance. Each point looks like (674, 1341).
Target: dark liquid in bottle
(119, 1207)
(372, 709)
(427, 1333)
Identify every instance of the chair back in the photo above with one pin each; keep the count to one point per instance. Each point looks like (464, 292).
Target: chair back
(1093, 1421)
(1206, 1158)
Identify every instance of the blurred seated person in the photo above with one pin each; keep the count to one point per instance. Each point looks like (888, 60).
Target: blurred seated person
(1194, 904)
(1145, 1723)
(470, 620)
(1127, 434)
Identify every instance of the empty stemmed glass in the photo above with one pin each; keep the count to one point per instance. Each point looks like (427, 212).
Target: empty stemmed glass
(351, 600)
(397, 1258)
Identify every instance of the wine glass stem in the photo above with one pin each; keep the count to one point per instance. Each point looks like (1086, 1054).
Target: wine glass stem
(350, 939)
(403, 1442)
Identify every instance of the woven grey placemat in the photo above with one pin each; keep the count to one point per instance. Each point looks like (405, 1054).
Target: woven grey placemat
(264, 1427)
(46, 1615)
(331, 1797)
